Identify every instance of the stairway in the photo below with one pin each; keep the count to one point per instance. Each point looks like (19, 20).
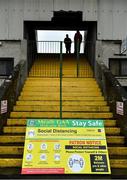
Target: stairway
(82, 99)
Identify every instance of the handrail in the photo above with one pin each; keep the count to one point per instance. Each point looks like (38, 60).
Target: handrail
(54, 47)
(61, 74)
(10, 90)
(113, 93)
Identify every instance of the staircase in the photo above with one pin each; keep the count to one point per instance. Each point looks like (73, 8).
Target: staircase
(40, 98)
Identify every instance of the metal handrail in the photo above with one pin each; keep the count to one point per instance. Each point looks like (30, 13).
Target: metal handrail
(113, 93)
(11, 88)
(61, 73)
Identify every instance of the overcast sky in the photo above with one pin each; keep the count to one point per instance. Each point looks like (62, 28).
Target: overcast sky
(55, 36)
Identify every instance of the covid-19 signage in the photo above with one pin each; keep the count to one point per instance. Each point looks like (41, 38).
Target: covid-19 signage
(65, 147)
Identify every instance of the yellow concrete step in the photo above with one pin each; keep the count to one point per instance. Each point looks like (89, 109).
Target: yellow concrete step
(45, 73)
(64, 94)
(57, 89)
(22, 129)
(17, 162)
(58, 82)
(81, 115)
(11, 122)
(66, 79)
(117, 151)
(16, 150)
(75, 84)
(20, 139)
(79, 103)
(10, 162)
(115, 139)
(112, 130)
(66, 68)
(57, 79)
(66, 65)
(35, 79)
(12, 139)
(64, 108)
(110, 122)
(66, 74)
(118, 163)
(41, 98)
(56, 66)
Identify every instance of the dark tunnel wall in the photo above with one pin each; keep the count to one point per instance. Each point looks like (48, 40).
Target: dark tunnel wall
(91, 43)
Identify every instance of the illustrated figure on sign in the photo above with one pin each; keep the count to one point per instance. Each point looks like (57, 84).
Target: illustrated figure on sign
(76, 163)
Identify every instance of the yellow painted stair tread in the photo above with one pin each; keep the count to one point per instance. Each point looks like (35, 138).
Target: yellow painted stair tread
(17, 150)
(117, 150)
(110, 122)
(66, 83)
(14, 129)
(76, 85)
(112, 130)
(118, 163)
(91, 86)
(64, 108)
(10, 162)
(57, 79)
(64, 90)
(115, 139)
(64, 94)
(44, 102)
(12, 139)
(57, 114)
(53, 98)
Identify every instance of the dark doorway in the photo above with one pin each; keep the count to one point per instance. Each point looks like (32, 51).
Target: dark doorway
(62, 20)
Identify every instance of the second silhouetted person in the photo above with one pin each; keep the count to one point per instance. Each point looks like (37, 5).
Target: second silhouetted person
(77, 42)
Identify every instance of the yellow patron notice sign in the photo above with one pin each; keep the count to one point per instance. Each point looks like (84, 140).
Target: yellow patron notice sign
(65, 147)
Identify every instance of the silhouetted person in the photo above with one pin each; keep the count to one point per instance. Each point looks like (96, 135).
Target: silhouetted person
(77, 42)
(67, 42)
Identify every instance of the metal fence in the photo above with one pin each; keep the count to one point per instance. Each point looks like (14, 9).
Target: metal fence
(114, 94)
(49, 59)
(50, 47)
(10, 90)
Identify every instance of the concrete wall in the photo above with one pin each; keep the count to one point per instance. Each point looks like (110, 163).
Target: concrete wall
(15, 49)
(106, 50)
(111, 15)
(122, 81)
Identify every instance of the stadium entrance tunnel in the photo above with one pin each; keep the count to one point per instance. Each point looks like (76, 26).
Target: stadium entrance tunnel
(62, 21)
